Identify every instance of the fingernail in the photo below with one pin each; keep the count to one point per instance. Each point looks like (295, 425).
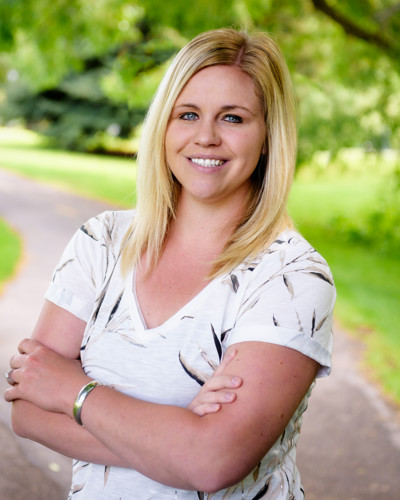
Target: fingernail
(236, 380)
(229, 396)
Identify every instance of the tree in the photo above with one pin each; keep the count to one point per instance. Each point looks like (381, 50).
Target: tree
(87, 66)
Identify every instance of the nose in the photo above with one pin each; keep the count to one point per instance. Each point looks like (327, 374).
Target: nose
(207, 133)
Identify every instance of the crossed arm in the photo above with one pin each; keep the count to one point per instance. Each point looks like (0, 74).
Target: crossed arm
(123, 431)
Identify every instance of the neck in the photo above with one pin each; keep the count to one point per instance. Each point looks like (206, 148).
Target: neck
(204, 223)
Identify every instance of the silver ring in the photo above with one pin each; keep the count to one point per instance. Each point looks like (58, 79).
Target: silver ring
(8, 377)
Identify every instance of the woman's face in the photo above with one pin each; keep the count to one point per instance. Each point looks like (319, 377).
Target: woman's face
(215, 135)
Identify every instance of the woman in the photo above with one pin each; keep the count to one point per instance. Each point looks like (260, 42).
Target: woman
(208, 268)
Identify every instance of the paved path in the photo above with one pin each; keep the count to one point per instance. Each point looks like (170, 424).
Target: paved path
(350, 444)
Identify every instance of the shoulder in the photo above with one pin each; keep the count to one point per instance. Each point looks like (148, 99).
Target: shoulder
(111, 222)
(292, 253)
(288, 299)
(109, 227)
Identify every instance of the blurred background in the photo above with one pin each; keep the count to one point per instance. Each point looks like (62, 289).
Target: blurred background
(76, 78)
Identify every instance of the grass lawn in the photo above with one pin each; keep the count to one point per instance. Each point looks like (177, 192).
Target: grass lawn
(102, 177)
(368, 282)
(10, 252)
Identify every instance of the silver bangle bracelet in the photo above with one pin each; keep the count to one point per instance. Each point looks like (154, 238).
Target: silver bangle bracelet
(81, 398)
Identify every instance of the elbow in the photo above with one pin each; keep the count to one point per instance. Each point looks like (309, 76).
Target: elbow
(216, 475)
(215, 481)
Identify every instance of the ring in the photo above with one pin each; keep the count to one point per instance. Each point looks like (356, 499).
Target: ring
(8, 377)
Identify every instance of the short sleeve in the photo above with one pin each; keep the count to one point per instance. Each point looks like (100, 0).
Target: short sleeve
(289, 301)
(77, 274)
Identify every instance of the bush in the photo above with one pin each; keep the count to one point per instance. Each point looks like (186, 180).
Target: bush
(378, 227)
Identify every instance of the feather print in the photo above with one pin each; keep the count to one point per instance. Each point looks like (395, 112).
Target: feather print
(299, 322)
(235, 282)
(320, 324)
(282, 255)
(313, 325)
(130, 340)
(256, 472)
(209, 361)
(192, 372)
(322, 275)
(249, 306)
(200, 495)
(275, 320)
(115, 308)
(262, 492)
(217, 343)
(107, 470)
(225, 333)
(317, 260)
(63, 265)
(88, 230)
(77, 488)
(77, 468)
(288, 285)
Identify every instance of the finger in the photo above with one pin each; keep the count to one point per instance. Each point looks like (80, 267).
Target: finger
(218, 382)
(10, 394)
(229, 355)
(17, 360)
(26, 346)
(206, 408)
(217, 397)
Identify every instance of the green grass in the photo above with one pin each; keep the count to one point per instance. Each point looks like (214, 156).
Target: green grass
(106, 178)
(368, 281)
(10, 252)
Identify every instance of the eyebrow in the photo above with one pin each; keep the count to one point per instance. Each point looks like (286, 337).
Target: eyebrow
(227, 107)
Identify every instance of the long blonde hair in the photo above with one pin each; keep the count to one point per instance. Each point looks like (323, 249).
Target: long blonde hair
(258, 56)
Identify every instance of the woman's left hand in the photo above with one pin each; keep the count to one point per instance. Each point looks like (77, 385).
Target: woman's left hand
(45, 378)
(218, 390)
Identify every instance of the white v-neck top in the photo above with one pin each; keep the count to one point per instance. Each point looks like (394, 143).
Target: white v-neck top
(285, 297)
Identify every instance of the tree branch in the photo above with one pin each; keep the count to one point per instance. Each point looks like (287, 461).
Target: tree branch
(351, 27)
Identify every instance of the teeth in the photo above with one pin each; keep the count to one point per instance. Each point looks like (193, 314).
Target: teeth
(207, 162)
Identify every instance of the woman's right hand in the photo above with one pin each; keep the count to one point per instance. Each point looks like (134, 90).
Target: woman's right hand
(217, 390)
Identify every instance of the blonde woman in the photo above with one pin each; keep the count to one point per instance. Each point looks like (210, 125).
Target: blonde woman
(179, 342)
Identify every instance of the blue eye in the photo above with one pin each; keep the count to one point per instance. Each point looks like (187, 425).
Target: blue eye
(233, 119)
(190, 116)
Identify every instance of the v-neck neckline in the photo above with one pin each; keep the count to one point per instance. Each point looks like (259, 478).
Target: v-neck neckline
(137, 314)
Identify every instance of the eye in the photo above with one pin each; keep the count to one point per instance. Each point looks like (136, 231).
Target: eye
(233, 119)
(189, 115)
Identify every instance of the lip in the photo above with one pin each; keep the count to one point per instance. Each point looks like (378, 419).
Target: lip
(207, 157)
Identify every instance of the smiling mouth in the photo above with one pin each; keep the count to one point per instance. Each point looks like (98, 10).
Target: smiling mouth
(207, 162)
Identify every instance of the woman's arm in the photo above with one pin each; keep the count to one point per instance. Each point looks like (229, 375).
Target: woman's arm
(173, 445)
(62, 332)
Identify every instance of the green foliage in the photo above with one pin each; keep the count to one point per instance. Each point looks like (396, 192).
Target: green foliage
(366, 270)
(375, 223)
(344, 57)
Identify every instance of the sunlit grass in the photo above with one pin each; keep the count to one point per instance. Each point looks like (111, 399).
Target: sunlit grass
(10, 252)
(107, 178)
(368, 281)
